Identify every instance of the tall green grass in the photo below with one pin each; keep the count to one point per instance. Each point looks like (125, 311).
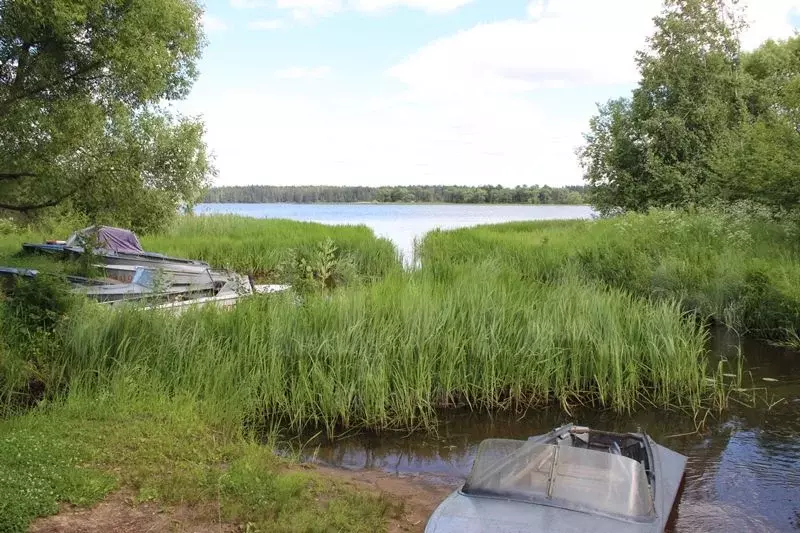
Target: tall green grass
(247, 245)
(738, 267)
(257, 246)
(389, 354)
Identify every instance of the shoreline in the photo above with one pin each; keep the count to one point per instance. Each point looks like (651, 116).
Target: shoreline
(394, 203)
(413, 498)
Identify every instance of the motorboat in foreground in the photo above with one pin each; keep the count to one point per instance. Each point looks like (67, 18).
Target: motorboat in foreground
(573, 479)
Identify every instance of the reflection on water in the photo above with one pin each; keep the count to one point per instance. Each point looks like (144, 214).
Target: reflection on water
(743, 472)
(402, 223)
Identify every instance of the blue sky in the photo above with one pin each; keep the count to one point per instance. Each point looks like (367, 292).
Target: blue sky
(377, 92)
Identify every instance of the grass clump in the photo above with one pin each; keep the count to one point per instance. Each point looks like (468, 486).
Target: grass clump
(738, 266)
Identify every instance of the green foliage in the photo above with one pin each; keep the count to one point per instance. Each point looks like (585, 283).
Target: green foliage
(705, 122)
(80, 86)
(736, 264)
(159, 447)
(32, 311)
(39, 470)
(38, 304)
(320, 268)
(387, 354)
(488, 194)
(260, 247)
(251, 493)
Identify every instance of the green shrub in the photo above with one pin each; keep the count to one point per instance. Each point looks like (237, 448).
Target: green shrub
(38, 304)
(318, 268)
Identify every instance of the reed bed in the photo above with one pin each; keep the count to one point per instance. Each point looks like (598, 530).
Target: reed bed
(739, 267)
(389, 354)
(258, 246)
(250, 246)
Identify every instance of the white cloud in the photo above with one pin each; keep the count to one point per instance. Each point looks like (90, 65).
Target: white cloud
(564, 43)
(265, 24)
(303, 73)
(292, 140)
(769, 18)
(462, 109)
(302, 9)
(309, 8)
(569, 43)
(430, 6)
(248, 4)
(213, 24)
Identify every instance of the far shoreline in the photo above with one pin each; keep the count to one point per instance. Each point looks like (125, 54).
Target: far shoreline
(394, 204)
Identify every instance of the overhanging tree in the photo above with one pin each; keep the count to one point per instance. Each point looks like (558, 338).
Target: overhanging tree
(81, 83)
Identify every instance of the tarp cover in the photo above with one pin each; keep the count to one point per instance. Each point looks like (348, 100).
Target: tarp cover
(563, 476)
(108, 238)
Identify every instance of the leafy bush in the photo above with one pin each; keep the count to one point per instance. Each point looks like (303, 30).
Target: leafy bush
(38, 304)
(32, 311)
(7, 226)
(319, 268)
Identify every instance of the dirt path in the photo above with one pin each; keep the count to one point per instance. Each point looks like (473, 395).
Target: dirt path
(419, 497)
(118, 513)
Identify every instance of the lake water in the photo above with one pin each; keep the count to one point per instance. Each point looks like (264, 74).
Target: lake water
(743, 469)
(402, 223)
(743, 472)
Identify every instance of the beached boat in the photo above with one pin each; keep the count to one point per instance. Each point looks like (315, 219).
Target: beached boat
(175, 274)
(573, 479)
(155, 287)
(111, 246)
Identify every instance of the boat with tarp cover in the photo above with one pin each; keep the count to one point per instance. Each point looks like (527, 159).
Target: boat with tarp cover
(573, 479)
(115, 246)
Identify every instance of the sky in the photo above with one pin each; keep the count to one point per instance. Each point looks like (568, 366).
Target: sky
(420, 92)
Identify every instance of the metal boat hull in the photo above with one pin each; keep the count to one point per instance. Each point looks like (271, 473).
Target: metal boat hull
(468, 513)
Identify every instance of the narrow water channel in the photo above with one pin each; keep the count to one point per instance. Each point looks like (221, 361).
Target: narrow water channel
(743, 472)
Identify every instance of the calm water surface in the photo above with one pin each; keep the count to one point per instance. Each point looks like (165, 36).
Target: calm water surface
(743, 472)
(402, 223)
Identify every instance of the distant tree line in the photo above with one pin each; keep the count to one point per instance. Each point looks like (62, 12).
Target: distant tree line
(488, 194)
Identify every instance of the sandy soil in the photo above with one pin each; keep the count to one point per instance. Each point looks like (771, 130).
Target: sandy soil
(118, 513)
(419, 497)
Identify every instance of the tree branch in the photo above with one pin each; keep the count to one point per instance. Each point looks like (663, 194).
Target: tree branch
(7, 176)
(32, 92)
(33, 207)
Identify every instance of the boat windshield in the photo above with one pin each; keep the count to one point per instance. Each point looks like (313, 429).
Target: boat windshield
(563, 476)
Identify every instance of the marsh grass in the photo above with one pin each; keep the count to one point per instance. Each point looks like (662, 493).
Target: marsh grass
(258, 247)
(387, 355)
(737, 267)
